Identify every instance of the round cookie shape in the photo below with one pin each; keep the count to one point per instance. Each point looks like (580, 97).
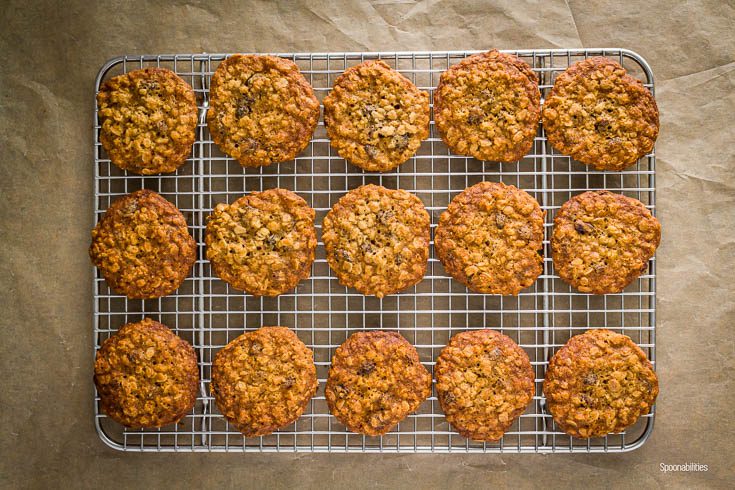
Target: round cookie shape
(263, 243)
(484, 381)
(487, 106)
(262, 110)
(146, 375)
(489, 238)
(148, 120)
(377, 240)
(375, 381)
(599, 382)
(601, 116)
(375, 117)
(602, 241)
(142, 246)
(263, 380)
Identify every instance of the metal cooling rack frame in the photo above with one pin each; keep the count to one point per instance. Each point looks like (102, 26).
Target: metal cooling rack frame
(207, 313)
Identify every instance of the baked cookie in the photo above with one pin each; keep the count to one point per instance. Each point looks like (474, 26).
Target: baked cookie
(599, 382)
(377, 240)
(490, 238)
(375, 117)
(148, 120)
(487, 106)
(375, 381)
(263, 380)
(146, 375)
(601, 116)
(484, 381)
(602, 241)
(142, 246)
(263, 243)
(262, 110)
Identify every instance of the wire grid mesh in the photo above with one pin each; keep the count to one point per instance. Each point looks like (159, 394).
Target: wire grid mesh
(208, 313)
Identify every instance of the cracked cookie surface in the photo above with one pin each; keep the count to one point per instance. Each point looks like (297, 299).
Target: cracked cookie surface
(262, 109)
(488, 106)
(375, 117)
(263, 380)
(489, 238)
(146, 375)
(602, 241)
(601, 116)
(599, 382)
(148, 120)
(375, 381)
(142, 246)
(377, 240)
(263, 243)
(484, 381)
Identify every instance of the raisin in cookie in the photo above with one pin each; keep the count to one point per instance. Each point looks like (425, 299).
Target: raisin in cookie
(484, 381)
(142, 246)
(263, 380)
(602, 241)
(146, 375)
(375, 117)
(375, 381)
(262, 110)
(489, 238)
(263, 243)
(599, 382)
(601, 116)
(148, 120)
(377, 240)
(487, 106)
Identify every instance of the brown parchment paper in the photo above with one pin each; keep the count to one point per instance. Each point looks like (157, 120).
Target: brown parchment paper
(51, 53)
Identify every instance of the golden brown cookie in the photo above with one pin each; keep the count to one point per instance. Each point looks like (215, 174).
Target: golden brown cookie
(263, 380)
(375, 117)
(262, 110)
(377, 240)
(599, 382)
(375, 381)
(602, 241)
(490, 238)
(263, 243)
(148, 120)
(142, 246)
(484, 381)
(487, 106)
(601, 116)
(146, 375)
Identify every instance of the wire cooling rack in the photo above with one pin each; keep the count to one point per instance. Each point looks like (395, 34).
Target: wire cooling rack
(208, 313)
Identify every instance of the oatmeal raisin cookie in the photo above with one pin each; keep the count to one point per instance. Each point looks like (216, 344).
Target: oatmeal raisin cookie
(599, 382)
(148, 120)
(375, 381)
